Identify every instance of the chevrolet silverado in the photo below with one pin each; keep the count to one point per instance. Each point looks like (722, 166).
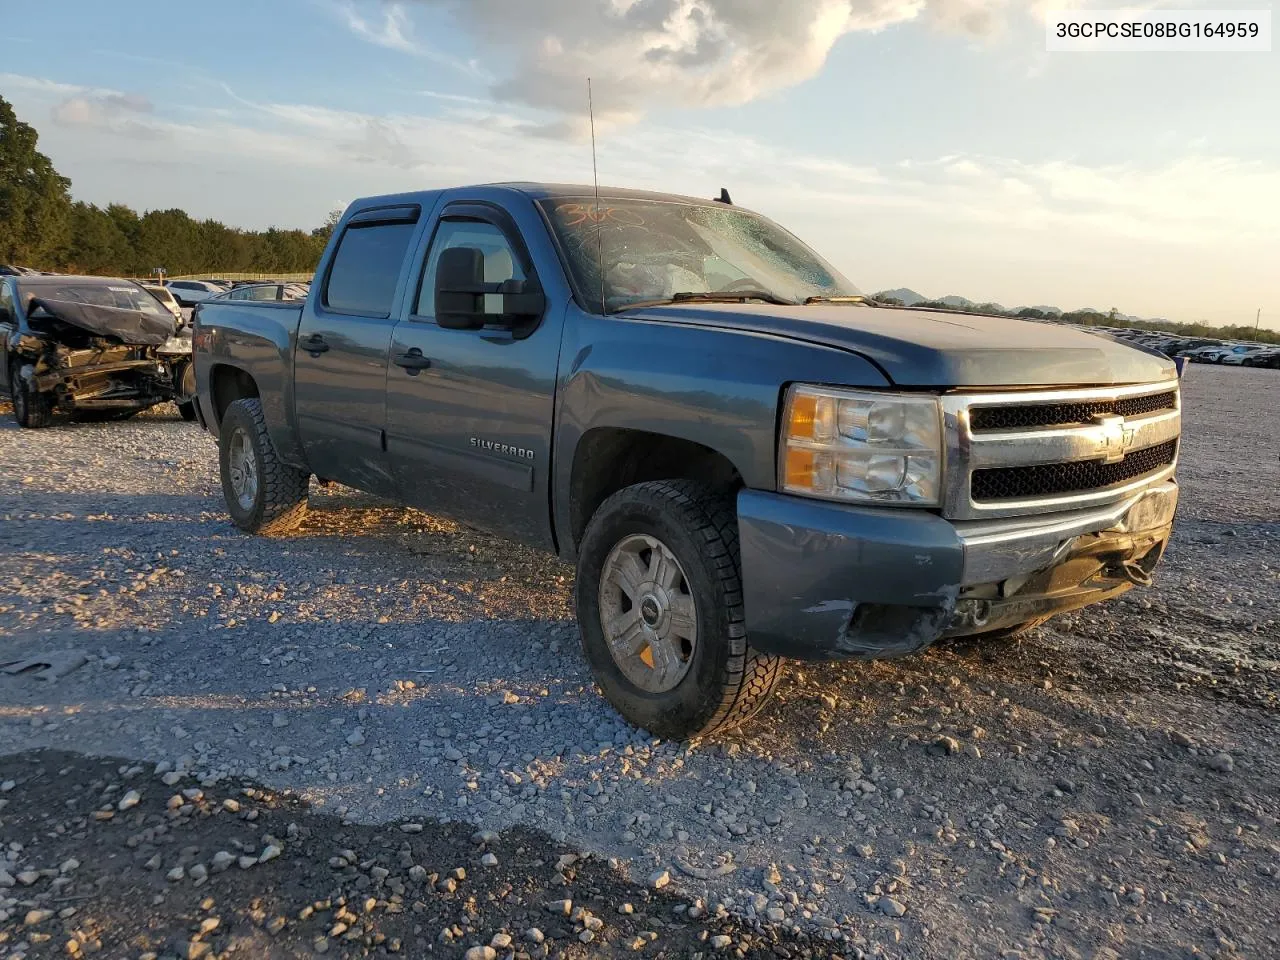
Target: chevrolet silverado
(747, 460)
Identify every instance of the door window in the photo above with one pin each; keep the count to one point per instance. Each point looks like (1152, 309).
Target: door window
(500, 262)
(366, 266)
(6, 304)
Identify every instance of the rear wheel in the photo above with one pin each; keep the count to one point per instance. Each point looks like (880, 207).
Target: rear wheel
(263, 494)
(660, 606)
(31, 409)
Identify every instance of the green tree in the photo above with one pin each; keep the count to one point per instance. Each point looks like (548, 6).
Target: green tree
(128, 222)
(97, 244)
(170, 239)
(35, 202)
(322, 234)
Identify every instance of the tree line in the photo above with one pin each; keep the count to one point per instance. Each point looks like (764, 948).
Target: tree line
(43, 228)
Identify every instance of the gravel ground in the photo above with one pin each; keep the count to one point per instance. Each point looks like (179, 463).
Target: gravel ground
(147, 865)
(1105, 788)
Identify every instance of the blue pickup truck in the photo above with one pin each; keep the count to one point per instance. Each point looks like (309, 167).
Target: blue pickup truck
(747, 460)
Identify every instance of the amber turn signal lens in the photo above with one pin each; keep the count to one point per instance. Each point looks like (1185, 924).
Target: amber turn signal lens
(804, 409)
(799, 469)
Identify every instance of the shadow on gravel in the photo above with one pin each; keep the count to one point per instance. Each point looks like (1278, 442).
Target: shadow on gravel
(121, 863)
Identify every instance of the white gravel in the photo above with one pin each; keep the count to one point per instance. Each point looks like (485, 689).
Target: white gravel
(1114, 787)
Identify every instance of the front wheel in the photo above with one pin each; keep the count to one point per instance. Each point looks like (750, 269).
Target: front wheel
(263, 494)
(184, 384)
(660, 606)
(31, 409)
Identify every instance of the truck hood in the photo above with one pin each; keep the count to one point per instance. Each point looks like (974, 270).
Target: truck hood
(919, 348)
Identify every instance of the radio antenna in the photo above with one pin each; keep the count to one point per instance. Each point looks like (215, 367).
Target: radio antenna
(595, 179)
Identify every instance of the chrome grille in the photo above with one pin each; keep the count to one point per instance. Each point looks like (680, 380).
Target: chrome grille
(983, 419)
(1024, 452)
(1013, 483)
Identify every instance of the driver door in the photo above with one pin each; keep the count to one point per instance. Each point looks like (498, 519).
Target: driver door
(469, 411)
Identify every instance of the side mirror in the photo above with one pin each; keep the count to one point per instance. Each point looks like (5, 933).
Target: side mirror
(460, 289)
(465, 302)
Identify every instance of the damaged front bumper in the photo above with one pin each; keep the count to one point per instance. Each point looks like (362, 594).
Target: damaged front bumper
(83, 380)
(830, 581)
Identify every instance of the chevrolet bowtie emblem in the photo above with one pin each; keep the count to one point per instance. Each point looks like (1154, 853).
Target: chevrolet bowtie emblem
(1115, 437)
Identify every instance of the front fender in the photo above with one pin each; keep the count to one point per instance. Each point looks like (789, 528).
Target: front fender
(715, 387)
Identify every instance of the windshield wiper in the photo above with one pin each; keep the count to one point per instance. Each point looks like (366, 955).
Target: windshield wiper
(841, 299)
(711, 296)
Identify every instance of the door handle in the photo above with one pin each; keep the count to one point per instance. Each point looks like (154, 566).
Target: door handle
(413, 361)
(315, 345)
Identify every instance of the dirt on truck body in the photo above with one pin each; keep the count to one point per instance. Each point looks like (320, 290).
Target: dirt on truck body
(90, 346)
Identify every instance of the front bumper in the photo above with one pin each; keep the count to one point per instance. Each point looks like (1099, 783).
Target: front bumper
(832, 581)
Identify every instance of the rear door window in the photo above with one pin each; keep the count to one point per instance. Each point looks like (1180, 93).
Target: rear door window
(6, 304)
(362, 278)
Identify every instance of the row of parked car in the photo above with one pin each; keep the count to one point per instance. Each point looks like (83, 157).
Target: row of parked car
(1237, 355)
(188, 293)
(1201, 349)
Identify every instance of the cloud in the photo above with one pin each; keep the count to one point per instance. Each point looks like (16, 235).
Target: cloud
(392, 27)
(645, 53)
(1188, 237)
(122, 113)
(99, 109)
(393, 32)
(41, 85)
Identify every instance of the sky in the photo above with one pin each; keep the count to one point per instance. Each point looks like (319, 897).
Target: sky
(931, 144)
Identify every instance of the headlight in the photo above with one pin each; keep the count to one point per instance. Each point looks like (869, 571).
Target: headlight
(865, 447)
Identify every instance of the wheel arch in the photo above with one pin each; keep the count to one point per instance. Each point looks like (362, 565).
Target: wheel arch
(229, 382)
(608, 459)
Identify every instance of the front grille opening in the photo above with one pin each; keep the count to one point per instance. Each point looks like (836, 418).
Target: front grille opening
(1047, 480)
(1067, 414)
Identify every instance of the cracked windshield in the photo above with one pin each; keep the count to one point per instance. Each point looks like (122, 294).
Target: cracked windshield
(659, 250)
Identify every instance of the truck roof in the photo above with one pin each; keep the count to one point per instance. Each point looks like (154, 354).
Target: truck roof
(536, 191)
(543, 191)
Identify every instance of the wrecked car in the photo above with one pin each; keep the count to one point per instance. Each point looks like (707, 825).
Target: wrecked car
(93, 347)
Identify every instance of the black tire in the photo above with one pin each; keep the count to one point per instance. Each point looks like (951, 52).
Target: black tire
(184, 388)
(31, 409)
(280, 501)
(727, 681)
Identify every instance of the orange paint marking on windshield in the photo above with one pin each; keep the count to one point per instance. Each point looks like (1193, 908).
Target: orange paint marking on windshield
(575, 214)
